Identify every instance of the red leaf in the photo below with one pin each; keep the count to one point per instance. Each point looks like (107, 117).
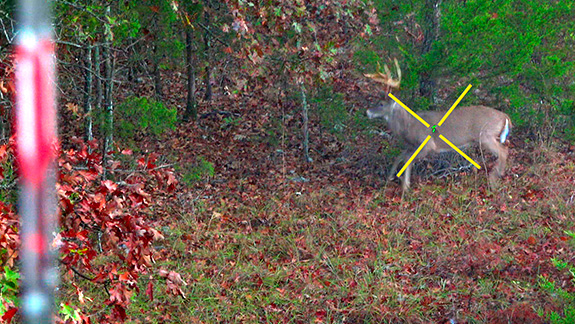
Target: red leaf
(3, 150)
(150, 290)
(7, 317)
(110, 185)
(531, 240)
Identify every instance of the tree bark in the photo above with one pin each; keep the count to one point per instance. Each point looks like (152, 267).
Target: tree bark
(88, 136)
(207, 43)
(191, 105)
(98, 75)
(305, 109)
(432, 16)
(109, 137)
(157, 75)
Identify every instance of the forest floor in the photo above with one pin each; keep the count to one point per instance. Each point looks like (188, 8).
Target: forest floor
(261, 236)
(269, 238)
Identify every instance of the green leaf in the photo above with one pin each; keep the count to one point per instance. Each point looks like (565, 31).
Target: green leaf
(296, 27)
(367, 30)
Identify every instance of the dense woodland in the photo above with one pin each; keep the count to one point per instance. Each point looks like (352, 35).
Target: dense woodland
(217, 164)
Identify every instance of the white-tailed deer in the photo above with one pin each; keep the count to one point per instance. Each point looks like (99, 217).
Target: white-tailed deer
(463, 127)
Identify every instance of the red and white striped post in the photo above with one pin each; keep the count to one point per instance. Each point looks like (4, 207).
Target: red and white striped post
(36, 147)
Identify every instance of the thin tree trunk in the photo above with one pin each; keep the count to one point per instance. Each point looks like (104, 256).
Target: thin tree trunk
(191, 105)
(130, 63)
(98, 75)
(108, 100)
(157, 75)
(88, 136)
(305, 125)
(208, 44)
(432, 18)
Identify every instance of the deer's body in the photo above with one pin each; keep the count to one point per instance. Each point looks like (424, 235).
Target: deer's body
(463, 127)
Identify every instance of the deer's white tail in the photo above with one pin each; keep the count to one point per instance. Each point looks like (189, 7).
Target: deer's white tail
(505, 132)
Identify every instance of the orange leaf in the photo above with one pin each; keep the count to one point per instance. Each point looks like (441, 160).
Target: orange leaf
(124, 276)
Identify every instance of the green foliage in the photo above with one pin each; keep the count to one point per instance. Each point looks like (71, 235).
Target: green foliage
(518, 51)
(367, 59)
(141, 114)
(230, 121)
(331, 109)
(68, 312)
(8, 7)
(198, 171)
(9, 288)
(563, 296)
(517, 40)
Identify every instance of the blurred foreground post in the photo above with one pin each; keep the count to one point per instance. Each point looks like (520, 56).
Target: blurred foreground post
(36, 146)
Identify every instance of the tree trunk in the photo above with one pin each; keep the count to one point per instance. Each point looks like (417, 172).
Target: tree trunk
(98, 75)
(88, 136)
(431, 24)
(207, 44)
(307, 158)
(157, 75)
(109, 137)
(191, 105)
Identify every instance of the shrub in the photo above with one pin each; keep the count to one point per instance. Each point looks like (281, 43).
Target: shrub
(141, 114)
(198, 171)
(331, 110)
(105, 236)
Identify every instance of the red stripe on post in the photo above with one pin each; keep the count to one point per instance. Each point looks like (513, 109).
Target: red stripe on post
(35, 128)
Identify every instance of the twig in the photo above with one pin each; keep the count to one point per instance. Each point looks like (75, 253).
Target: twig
(83, 8)
(81, 275)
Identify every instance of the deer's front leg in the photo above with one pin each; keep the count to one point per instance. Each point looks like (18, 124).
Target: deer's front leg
(428, 148)
(398, 159)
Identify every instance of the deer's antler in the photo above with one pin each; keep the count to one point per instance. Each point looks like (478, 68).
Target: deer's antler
(386, 78)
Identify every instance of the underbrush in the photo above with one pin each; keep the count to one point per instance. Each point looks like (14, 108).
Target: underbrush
(107, 237)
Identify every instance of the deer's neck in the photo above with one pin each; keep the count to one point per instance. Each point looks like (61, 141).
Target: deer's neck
(400, 121)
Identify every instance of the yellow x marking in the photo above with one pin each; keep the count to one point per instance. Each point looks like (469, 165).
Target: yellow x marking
(429, 136)
(414, 155)
(409, 110)
(454, 105)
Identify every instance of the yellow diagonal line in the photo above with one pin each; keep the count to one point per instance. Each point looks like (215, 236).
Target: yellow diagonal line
(414, 155)
(454, 105)
(409, 110)
(459, 151)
